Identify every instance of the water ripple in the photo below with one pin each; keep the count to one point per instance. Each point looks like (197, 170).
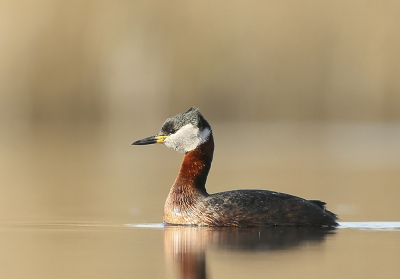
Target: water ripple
(370, 225)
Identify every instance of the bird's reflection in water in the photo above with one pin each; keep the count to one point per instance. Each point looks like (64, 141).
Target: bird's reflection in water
(185, 246)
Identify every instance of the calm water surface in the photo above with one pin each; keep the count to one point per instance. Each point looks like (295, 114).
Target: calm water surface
(95, 250)
(70, 193)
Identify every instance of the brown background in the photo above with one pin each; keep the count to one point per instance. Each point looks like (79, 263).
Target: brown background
(303, 98)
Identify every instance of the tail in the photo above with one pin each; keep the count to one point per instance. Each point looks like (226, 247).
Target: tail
(330, 218)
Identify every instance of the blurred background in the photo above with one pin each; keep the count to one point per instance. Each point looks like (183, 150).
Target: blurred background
(303, 98)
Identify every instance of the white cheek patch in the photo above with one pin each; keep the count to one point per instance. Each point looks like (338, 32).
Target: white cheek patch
(204, 135)
(187, 138)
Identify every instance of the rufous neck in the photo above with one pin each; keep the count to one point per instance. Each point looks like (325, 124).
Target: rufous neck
(196, 164)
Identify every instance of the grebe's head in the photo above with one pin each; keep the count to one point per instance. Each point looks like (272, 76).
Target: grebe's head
(183, 132)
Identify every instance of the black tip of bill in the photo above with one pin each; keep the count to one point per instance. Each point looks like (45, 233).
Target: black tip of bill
(150, 140)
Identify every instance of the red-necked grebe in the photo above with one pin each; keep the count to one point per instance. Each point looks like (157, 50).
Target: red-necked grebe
(188, 202)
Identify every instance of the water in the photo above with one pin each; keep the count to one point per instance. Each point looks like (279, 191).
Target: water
(100, 250)
(81, 80)
(370, 225)
(80, 202)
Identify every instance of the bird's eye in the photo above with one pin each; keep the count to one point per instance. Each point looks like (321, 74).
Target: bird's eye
(172, 131)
